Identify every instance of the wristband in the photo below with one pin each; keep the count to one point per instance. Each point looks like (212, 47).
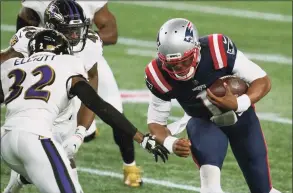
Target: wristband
(168, 143)
(243, 102)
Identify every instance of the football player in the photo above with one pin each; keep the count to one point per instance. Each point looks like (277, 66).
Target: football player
(32, 13)
(36, 90)
(91, 53)
(185, 68)
(75, 28)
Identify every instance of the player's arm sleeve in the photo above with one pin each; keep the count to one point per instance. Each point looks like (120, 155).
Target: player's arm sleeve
(94, 54)
(159, 105)
(104, 110)
(96, 6)
(158, 110)
(246, 69)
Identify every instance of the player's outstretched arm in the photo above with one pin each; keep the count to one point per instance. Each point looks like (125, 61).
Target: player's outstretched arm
(106, 23)
(158, 113)
(113, 117)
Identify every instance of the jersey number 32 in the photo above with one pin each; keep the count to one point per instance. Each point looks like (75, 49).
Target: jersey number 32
(35, 91)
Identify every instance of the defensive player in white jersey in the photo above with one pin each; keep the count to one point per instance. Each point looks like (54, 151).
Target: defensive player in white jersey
(89, 50)
(34, 96)
(32, 13)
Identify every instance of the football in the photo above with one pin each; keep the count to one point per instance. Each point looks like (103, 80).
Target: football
(237, 86)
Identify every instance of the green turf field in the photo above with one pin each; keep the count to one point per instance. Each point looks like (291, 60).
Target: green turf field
(271, 41)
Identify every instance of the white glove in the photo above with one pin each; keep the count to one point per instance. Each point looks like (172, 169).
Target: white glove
(72, 144)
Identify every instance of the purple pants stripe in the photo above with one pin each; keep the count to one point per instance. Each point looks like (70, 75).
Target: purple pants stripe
(62, 177)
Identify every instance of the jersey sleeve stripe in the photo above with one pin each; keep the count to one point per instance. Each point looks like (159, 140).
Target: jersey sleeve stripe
(217, 51)
(155, 79)
(160, 76)
(212, 51)
(222, 49)
(152, 80)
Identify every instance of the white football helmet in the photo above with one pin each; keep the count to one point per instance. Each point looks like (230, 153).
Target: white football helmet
(179, 48)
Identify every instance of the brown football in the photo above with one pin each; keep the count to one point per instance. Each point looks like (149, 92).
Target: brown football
(237, 86)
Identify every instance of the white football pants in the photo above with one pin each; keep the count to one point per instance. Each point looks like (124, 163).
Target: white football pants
(41, 161)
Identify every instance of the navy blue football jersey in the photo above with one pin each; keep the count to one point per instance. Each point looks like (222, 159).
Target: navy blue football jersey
(218, 54)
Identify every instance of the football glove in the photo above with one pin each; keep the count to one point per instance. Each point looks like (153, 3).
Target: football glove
(72, 144)
(153, 147)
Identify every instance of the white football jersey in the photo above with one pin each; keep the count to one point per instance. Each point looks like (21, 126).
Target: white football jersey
(89, 7)
(36, 90)
(19, 41)
(90, 55)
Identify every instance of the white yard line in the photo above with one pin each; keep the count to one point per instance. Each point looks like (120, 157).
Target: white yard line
(276, 58)
(145, 180)
(211, 10)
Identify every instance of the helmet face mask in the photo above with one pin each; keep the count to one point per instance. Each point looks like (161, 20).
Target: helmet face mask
(179, 48)
(67, 17)
(76, 33)
(184, 68)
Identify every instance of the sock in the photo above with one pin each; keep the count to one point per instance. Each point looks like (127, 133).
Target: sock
(210, 179)
(130, 164)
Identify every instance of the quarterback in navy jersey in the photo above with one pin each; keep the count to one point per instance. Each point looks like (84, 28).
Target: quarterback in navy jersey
(185, 68)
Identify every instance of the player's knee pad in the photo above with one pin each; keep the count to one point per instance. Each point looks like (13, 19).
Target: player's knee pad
(273, 190)
(210, 179)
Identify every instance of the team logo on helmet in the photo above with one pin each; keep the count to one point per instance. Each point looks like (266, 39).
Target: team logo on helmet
(54, 13)
(189, 33)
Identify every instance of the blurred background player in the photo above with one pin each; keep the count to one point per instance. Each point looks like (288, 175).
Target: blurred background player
(32, 14)
(186, 66)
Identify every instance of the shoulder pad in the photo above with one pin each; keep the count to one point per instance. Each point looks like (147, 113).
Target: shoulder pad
(155, 78)
(94, 37)
(221, 47)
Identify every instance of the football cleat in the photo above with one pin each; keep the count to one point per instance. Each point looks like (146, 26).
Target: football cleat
(132, 176)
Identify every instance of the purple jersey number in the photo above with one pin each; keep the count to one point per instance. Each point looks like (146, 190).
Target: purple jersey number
(35, 91)
(16, 88)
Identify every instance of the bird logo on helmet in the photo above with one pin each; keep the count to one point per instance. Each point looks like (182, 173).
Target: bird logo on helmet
(54, 13)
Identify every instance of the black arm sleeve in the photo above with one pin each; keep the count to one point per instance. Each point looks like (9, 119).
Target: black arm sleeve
(104, 110)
